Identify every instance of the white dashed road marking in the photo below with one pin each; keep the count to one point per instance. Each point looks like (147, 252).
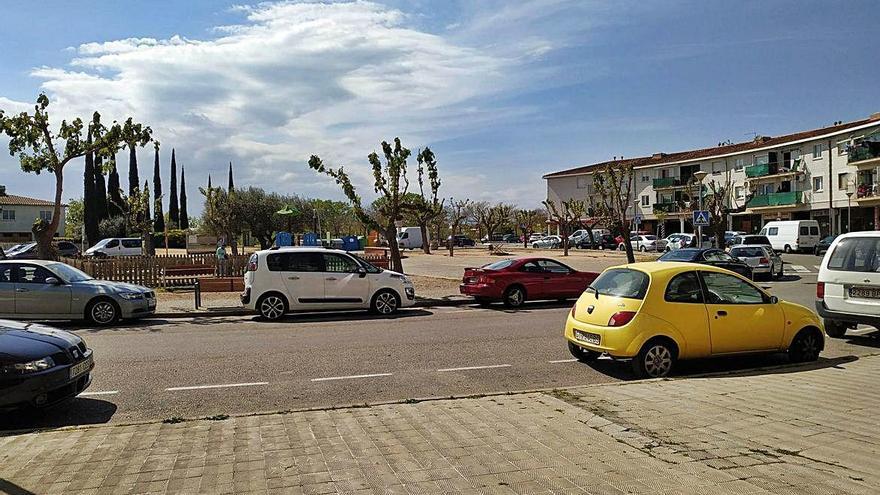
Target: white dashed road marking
(105, 392)
(467, 368)
(557, 361)
(227, 385)
(350, 377)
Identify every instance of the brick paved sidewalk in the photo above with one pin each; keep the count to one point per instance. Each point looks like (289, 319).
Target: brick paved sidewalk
(795, 432)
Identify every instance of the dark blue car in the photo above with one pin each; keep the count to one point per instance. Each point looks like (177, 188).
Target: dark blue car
(41, 366)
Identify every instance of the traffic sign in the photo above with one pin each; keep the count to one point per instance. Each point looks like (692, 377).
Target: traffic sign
(638, 219)
(701, 218)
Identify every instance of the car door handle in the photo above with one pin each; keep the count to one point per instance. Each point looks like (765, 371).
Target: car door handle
(22, 289)
(720, 313)
(292, 278)
(330, 278)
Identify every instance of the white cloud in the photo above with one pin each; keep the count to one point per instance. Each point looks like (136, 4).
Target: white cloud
(299, 78)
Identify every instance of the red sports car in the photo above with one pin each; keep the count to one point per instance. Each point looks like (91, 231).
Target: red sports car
(516, 280)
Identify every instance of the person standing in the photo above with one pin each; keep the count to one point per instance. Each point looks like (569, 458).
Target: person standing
(221, 260)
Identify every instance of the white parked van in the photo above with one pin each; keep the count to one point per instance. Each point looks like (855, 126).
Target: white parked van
(848, 288)
(130, 246)
(409, 238)
(792, 235)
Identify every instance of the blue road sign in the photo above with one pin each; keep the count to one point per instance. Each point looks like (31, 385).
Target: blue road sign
(638, 219)
(701, 218)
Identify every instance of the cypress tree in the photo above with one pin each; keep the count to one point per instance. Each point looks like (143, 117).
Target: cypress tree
(147, 209)
(115, 202)
(158, 215)
(230, 177)
(90, 218)
(133, 179)
(173, 210)
(101, 212)
(184, 217)
(209, 182)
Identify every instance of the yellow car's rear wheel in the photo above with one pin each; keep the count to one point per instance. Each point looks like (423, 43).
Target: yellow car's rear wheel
(656, 359)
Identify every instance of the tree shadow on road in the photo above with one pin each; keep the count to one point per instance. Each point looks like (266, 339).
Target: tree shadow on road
(530, 305)
(11, 488)
(342, 316)
(75, 412)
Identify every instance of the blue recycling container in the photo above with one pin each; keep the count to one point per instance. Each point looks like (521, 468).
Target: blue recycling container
(283, 239)
(350, 243)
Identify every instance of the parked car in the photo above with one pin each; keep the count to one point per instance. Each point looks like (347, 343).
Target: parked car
(792, 235)
(67, 249)
(729, 235)
(823, 245)
(603, 241)
(314, 279)
(511, 239)
(848, 287)
(710, 256)
(579, 235)
(514, 281)
(132, 246)
(657, 313)
(644, 242)
(461, 241)
(49, 290)
(761, 259)
(500, 238)
(23, 252)
(537, 236)
(548, 242)
(685, 240)
(751, 240)
(41, 366)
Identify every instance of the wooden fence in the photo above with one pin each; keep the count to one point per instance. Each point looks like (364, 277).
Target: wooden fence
(149, 271)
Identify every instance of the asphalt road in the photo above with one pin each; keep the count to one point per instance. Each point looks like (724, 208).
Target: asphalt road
(200, 367)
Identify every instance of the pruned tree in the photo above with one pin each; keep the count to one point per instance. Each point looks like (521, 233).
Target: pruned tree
(529, 222)
(566, 214)
(39, 149)
(223, 214)
(423, 208)
(720, 201)
(459, 211)
(138, 208)
(390, 182)
(614, 183)
(490, 217)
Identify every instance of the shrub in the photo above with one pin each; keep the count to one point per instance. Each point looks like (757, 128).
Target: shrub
(112, 227)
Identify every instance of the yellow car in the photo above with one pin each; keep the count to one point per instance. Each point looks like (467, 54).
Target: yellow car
(657, 313)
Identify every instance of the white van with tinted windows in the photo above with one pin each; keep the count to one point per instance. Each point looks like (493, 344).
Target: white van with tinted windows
(116, 246)
(792, 235)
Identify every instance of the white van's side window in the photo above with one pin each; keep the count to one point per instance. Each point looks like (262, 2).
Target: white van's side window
(814, 230)
(773, 231)
(805, 230)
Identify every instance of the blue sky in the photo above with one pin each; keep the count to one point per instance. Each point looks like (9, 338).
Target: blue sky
(502, 91)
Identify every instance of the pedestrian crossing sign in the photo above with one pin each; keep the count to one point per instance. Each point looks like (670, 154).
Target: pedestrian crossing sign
(701, 218)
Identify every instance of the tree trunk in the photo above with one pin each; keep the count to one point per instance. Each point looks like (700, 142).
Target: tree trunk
(426, 247)
(391, 237)
(451, 241)
(149, 247)
(627, 244)
(44, 231)
(564, 241)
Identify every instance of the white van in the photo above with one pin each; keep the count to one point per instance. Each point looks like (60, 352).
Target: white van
(792, 235)
(409, 238)
(129, 246)
(848, 288)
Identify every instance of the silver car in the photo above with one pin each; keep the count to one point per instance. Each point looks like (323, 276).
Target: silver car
(762, 259)
(49, 290)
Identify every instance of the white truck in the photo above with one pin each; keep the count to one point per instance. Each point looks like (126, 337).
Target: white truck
(410, 238)
(792, 235)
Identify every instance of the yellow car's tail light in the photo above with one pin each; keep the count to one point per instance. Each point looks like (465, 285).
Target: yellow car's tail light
(621, 318)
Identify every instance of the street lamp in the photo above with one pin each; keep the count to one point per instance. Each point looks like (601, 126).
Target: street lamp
(700, 175)
(848, 210)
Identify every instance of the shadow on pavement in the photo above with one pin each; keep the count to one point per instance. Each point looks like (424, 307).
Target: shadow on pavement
(725, 367)
(13, 489)
(123, 326)
(356, 315)
(76, 412)
(871, 339)
(526, 306)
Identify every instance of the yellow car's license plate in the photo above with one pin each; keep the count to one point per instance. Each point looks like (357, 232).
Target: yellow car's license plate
(80, 368)
(589, 338)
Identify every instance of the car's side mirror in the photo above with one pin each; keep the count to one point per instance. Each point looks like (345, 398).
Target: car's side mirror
(53, 281)
(774, 299)
(362, 272)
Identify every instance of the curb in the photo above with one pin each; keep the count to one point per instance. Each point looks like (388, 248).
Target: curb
(222, 313)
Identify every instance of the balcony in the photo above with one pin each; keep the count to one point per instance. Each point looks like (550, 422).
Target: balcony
(761, 170)
(864, 153)
(666, 182)
(790, 198)
(666, 208)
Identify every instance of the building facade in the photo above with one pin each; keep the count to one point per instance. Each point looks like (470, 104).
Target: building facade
(828, 174)
(18, 213)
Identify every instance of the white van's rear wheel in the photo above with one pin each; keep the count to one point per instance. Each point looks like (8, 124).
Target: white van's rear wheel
(787, 249)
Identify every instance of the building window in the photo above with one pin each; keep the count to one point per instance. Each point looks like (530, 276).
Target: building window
(817, 151)
(717, 167)
(841, 147)
(8, 215)
(739, 164)
(646, 178)
(645, 200)
(841, 181)
(817, 184)
(739, 191)
(582, 183)
(46, 215)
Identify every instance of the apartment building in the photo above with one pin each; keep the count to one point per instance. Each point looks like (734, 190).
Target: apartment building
(828, 174)
(18, 213)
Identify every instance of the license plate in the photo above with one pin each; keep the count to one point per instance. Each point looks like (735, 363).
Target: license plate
(151, 303)
(589, 338)
(865, 292)
(80, 368)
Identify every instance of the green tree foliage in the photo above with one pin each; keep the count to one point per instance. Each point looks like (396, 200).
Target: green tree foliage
(614, 183)
(101, 209)
(230, 186)
(223, 214)
(184, 215)
(73, 218)
(116, 204)
(257, 210)
(158, 214)
(90, 207)
(40, 149)
(139, 221)
(173, 205)
(567, 216)
(390, 183)
(113, 227)
(424, 207)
